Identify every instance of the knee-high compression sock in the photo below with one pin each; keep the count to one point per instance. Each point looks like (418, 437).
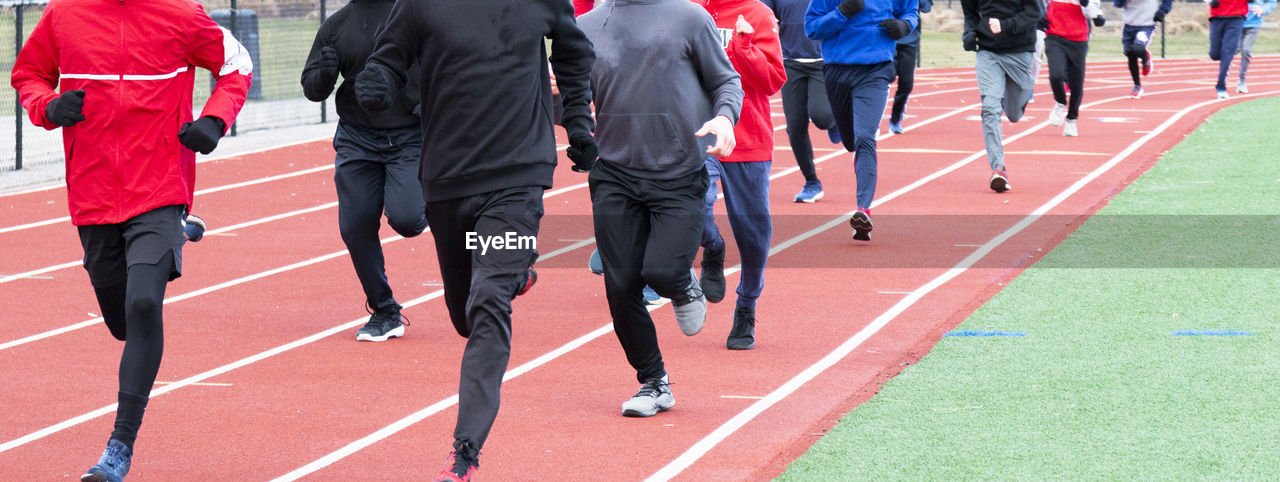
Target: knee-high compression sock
(129, 417)
(111, 302)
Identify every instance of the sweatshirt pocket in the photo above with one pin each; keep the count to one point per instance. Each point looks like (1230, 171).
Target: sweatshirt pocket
(640, 141)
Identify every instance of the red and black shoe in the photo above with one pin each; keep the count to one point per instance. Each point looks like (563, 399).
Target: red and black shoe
(461, 465)
(861, 224)
(531, 277)
(1000, 180)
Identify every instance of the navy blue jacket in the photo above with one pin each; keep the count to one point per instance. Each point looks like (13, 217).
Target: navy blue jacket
(795, 45)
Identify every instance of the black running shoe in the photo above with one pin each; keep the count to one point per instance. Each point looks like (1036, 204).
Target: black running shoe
(743, 334)
(712, 279)
(383, 325)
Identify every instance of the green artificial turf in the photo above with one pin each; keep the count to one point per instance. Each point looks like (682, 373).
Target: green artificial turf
(1100, 387)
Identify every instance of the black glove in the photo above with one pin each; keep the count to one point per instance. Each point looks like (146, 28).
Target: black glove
(1042, 24)
(65, 110)
(202, 135)
(583, 151)
(1158, 17)
(970, 40)
(1214, 4)
(1099, 21)
(851, 7)
(1084, 3)
(373, 89)
(329, 61)
(896, 28)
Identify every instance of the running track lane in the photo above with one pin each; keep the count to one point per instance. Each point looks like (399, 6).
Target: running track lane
(613, 396)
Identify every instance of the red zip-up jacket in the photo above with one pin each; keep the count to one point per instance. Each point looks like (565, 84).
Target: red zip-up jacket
(133, 59)
(758, 59)
(1230, 8)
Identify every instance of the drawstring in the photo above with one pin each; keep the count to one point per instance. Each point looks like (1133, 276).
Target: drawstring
(606, 17)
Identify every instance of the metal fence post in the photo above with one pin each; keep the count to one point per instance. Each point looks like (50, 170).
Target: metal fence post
(324, 104)
(1162, 37)
(233, 32)
(17, 100)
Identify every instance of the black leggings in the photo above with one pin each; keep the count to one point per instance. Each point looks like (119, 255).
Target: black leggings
(804, 98)
(1066, 66)
(1136, 57)
(132, 310)
(904, 63)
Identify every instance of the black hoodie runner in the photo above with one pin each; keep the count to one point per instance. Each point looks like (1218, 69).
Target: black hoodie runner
(486, 93)
(351, 31)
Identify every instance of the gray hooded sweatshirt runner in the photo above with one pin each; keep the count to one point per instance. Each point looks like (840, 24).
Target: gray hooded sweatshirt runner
(660, 73)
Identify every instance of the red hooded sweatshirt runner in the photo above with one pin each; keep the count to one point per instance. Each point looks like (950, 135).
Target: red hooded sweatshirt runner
(1230, 8)
(758, 59)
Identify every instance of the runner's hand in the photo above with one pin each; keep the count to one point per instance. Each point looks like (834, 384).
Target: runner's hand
(202, 135)
(329, 61)
(373, 89)
(722, 128)
(742, 27)
(67, 109)
(583, 151)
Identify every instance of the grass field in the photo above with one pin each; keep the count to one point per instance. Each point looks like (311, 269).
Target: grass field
(1164, 369)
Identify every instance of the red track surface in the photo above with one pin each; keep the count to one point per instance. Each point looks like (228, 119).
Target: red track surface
(283, 384)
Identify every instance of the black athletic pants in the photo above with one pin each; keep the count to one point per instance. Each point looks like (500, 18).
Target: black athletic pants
(648, 232)
(479, 284)
(804, 98)
(1066, 67)
(129, 265)
(377, 170)
(904, 63)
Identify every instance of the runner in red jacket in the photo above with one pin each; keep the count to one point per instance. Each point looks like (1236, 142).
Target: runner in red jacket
(125, 69)
(1226, 24)
(1066, 45)
(749, 33)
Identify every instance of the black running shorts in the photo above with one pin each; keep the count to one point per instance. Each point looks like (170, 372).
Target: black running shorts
(110, 249)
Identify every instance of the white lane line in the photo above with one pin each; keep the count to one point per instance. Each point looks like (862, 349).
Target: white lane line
(434, 408)
(199, 160)
(223, 285)
(249, 360)
(721, 433)
(39, 434)
(200, 192)
(198, 384)
(72, 264)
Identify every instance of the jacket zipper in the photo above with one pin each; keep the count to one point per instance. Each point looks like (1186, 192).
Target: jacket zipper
(120, 188)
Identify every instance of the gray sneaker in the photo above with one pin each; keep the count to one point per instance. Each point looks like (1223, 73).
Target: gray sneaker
(654, 396)
(381, 326)
(691, 308)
